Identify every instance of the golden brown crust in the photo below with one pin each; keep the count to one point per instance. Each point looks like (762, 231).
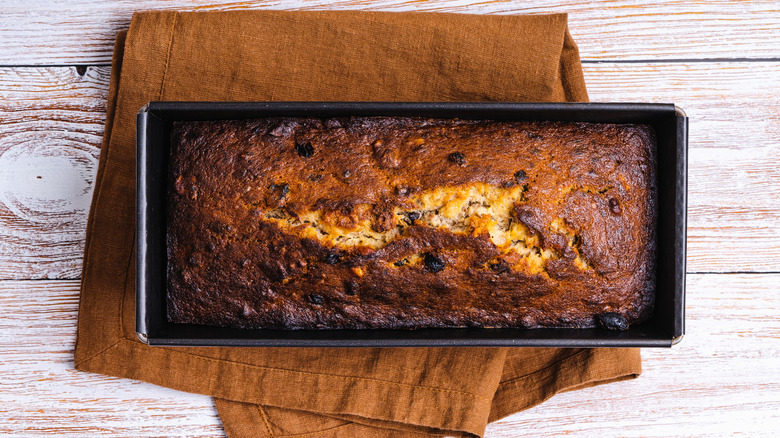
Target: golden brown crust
(403, 222)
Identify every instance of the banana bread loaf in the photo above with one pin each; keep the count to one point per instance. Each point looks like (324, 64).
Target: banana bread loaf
(391, 222)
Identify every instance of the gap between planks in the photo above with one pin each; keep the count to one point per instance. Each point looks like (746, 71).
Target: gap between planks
(583, 61)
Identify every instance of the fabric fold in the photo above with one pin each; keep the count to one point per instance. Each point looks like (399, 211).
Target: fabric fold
(322, 56)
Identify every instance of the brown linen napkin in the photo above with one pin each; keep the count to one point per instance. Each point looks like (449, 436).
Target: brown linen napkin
(274, 55)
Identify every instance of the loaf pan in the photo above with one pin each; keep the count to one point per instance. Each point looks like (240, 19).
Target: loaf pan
(663, 329)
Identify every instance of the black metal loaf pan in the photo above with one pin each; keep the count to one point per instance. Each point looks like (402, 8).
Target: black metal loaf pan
(664, 329)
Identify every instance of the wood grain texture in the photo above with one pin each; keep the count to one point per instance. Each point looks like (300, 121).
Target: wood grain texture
(42, 32)
(41, 394)
(51, 126)
(51, 122)
(734, 133)
(721, 379)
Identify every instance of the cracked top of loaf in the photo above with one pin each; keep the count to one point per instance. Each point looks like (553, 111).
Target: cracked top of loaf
(391, 222)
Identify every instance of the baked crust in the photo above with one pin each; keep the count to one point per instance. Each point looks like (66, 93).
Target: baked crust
(380, 222)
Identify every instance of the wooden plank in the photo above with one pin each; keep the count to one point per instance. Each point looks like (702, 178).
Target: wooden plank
(51, 122)
(51, 126)
(41, 393)
(721, 379)
(82, 31)
(734, 110)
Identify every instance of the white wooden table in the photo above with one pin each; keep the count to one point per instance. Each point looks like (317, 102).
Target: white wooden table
(720, 61)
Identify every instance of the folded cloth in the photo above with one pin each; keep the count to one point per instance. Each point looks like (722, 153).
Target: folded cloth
(345, 56)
